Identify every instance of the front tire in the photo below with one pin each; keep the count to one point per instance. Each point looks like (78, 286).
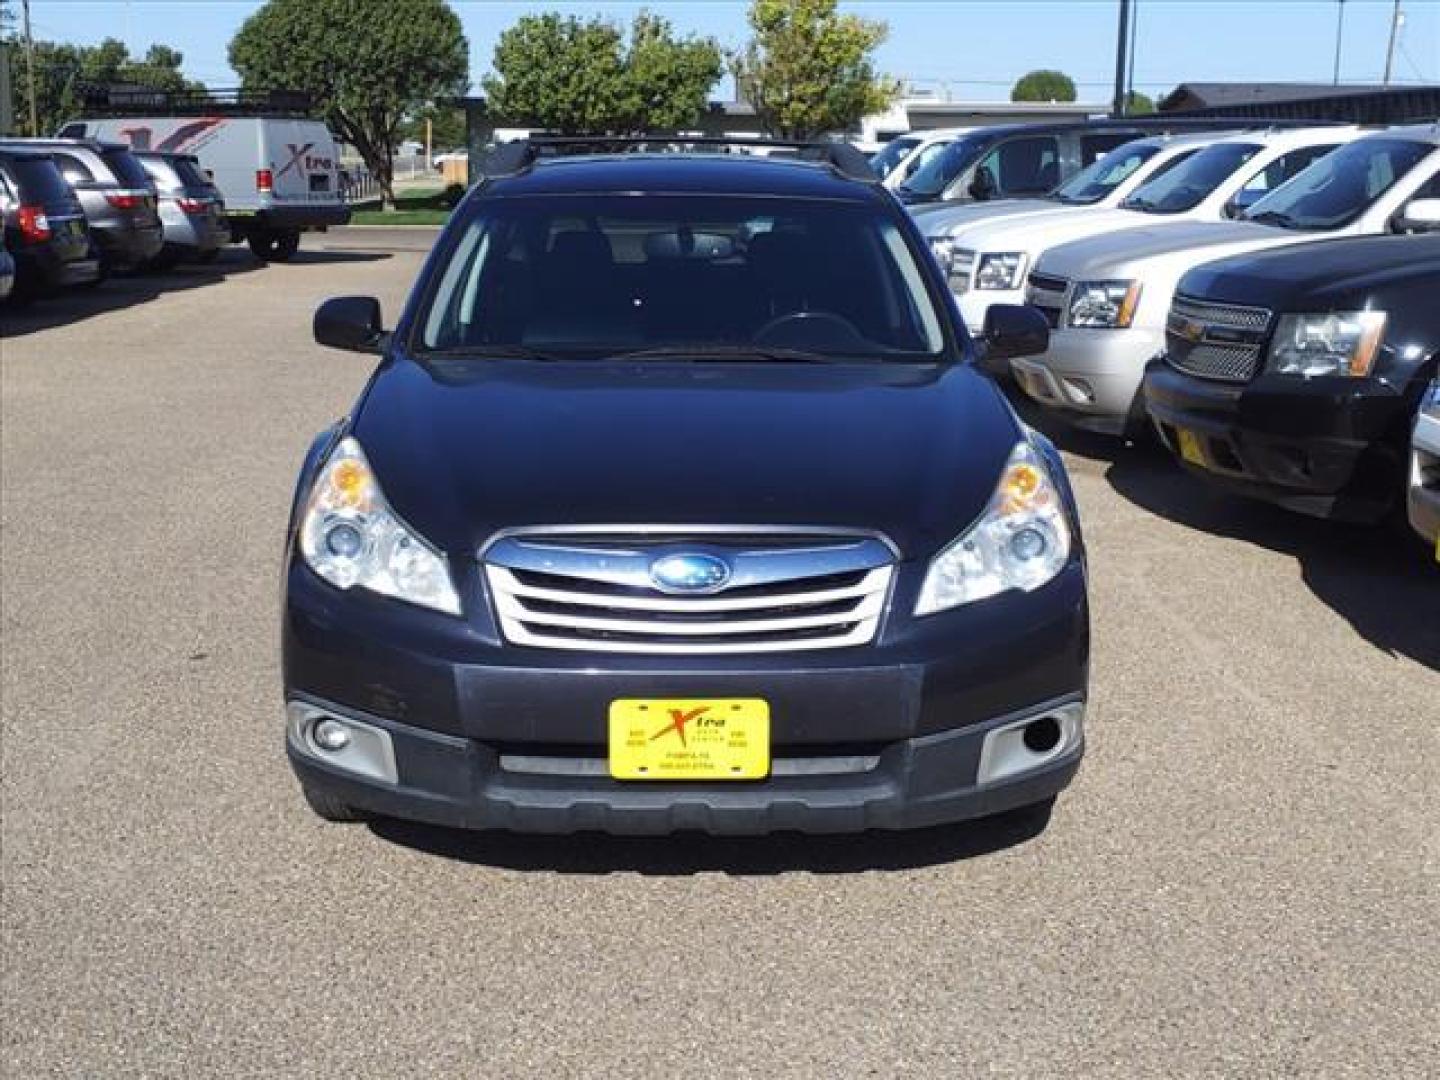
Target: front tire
(328, 807)
(275, 246)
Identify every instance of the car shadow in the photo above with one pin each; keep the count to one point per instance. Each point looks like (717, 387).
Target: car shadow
(1378, 578)
(696, 853)
(128, 289)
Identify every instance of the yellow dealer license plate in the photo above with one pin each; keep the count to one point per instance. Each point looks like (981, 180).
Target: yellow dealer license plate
(690, 739)
(1190, 448)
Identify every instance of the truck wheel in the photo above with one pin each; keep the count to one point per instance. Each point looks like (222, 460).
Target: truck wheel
(330, 808)
(275, 246)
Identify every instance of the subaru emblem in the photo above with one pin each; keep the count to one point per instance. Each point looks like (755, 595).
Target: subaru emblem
(690, 573)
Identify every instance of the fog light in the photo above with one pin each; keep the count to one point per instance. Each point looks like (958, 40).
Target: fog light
(329, 735)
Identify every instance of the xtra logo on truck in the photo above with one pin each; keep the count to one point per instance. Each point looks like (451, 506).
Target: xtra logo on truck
(300, 155)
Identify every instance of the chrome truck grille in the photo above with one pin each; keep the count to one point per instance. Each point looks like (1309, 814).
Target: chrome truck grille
(1215, 341)
(603, 590)
(1048, 295)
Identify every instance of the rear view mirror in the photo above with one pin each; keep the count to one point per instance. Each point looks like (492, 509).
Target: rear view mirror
(1014, 330)
(1420, 215)
(1242, 201)
(350, 322)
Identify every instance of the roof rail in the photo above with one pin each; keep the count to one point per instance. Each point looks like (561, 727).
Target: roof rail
(113, 99)
(520, 155)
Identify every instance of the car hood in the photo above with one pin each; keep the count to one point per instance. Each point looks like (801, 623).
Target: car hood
(939, 219)
(1040, 232)
(1355, 272)
(1138, 251)
(911, 450)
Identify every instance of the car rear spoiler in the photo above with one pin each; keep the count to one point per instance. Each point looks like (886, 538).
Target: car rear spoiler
(519, 156)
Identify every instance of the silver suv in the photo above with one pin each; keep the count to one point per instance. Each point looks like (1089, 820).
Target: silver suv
(116, 192)
(191, 209)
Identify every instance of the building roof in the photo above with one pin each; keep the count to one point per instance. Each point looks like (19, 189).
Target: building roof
(1203, 95)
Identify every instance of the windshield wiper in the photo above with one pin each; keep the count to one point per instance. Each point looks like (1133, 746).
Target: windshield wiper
(1274, 217)
(727, 352)
(487, 352)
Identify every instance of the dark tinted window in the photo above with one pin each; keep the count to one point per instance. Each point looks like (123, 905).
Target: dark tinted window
(1282, 169)
(940, 171)
(1186, 187)
(73, 169)
(126, 168)
(39, 180)
(607, 274)
(1027, 166)
(1098, 143)
(1099, 179)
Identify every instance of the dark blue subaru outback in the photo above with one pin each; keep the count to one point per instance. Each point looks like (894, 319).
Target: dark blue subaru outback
(676, 503)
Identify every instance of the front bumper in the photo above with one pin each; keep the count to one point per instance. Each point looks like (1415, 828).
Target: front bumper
(1324, 447)
(459, 705)
(1091, 378)
(1424, 492)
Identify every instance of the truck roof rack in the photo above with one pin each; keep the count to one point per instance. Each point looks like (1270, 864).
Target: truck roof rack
(520, 155)
(124, 99)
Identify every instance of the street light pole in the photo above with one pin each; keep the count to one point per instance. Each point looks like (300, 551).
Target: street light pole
(30, 66)
(1339, 36)
(1395, 20)
(1122, 39)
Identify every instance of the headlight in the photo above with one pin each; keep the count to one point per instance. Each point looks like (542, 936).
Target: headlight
(1336, 343)
(1000, 270)
(350, 537)
(1104, 304)
(1020, 542)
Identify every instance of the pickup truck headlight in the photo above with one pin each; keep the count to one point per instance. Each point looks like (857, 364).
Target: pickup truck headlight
(1020, 542)
(1333, 343)
(350, 537)
(1105, 305)
(1000, 270)
(943, 248)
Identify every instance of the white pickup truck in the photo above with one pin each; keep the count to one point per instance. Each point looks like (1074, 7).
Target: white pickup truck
(1108, 297)
(988, 260)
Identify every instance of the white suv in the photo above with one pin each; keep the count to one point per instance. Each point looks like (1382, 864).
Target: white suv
(987, 261)
(1107, 297)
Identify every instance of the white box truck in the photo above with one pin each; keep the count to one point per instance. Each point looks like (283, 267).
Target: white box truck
(279, 175)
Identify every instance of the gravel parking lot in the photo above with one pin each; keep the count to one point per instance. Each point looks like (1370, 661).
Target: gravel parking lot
(1244, 881)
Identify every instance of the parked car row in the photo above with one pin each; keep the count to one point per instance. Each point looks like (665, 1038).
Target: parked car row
(1264, 301)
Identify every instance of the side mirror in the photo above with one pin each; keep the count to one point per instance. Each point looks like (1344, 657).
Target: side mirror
(1014, 330)
(1420, 215)
(1241, 201)
(983, 186)
(350, 322)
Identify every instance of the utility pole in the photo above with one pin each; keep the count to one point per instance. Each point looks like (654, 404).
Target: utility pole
(1117, 108)
(1339, 36)
(30, 65)
(1130, 64)
(1395, 20)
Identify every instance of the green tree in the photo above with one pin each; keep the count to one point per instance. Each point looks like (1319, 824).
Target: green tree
(368, 64)
(62, 73)
(809, 70)
(1044, 85)
(1138, 104)
(580, 76)
(447, 125)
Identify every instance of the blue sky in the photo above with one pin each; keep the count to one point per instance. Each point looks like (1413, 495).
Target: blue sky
(974, 48)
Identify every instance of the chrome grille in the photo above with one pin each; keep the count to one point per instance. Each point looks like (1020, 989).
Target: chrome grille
(962, 268)
(1226, 315)
(591, 590)
(1047, 295)
(1230, 363)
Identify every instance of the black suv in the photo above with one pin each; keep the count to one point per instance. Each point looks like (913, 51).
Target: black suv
(1294, 375)
(44, 226)
(674, 504)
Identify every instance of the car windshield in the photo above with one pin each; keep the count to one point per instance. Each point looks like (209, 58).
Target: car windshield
(891, 154)
(601, 275)
(1105, 174)
(1187, 185)
(127, 168)
(940, 171)
(1341, 186)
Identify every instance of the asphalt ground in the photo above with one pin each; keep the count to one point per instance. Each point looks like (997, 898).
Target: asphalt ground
(1244, 880)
